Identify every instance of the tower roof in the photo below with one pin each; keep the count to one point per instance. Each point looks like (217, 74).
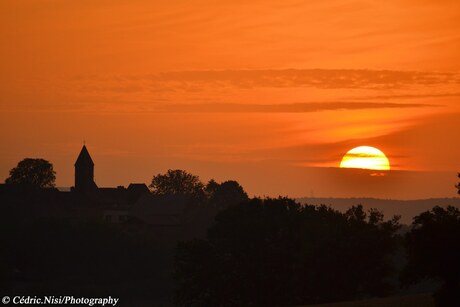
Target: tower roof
(84, 158)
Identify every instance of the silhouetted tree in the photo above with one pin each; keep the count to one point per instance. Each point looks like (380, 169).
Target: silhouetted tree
(273, 252)
(433, 251)
(225, 194)
(177, 182)
(458, 184)
(37, 172)
(211, 187)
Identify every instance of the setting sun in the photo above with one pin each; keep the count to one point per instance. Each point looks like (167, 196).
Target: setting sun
(365, 157)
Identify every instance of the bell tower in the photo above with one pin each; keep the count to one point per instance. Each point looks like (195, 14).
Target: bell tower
(84, 173)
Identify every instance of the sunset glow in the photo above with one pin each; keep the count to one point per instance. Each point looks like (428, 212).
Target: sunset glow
(365, 157)
(269, 93)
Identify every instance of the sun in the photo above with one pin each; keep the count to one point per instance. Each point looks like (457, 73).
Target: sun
(365, 157)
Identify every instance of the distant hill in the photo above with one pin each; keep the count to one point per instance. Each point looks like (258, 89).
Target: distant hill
(406, 208)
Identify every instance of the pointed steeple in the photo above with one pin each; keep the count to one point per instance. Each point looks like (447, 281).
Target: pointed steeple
(84, 173)
(84, 158)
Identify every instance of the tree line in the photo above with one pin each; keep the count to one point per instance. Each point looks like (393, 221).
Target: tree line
(277, 252)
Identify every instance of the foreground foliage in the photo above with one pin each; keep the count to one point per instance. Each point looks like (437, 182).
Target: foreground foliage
(271, 252)
(433, 251)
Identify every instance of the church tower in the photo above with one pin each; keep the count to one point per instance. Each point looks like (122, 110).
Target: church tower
(84, 173)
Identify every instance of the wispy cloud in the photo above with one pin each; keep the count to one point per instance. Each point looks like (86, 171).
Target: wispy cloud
(316, 78)
(270, 78)
(407, 96)
(268, 90)
(280, 108)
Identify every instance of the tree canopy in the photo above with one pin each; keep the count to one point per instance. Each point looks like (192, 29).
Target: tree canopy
(433, 251)
(177, 182)
(272, 252)
(225, 194)
(36, 172)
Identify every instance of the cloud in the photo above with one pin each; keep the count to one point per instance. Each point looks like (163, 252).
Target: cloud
(203, 82)
(317, 78)
(231, 90)
(279, 108)
(194, 81)
(407, 96)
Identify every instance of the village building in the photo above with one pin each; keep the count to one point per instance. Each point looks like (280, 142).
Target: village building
(85, 200)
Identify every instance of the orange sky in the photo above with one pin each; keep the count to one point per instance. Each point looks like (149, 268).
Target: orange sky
(270, 93)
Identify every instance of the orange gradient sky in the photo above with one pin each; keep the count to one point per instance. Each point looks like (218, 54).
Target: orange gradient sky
(269, 93)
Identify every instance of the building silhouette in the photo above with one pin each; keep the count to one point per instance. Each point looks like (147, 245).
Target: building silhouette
(85, 200)
(84, 173)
